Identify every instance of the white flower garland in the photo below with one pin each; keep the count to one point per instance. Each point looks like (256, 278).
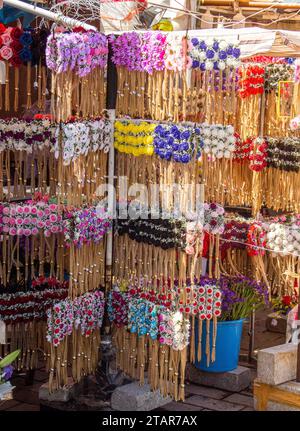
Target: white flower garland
(218, 140)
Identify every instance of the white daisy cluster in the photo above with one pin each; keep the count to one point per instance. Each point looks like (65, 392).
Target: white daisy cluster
(218, 140)
(78, 138)
(284, 239)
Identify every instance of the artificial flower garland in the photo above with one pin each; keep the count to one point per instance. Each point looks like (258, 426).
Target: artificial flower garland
(134, 137)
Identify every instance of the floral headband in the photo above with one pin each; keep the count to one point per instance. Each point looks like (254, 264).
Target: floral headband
(80, 138)
(85, 312)
(26, 135)
(155, 51)
(284, 239)
(29, 218)
(251, 80)
(134, 137)
(213, 54)
(218, 141)
(32, 304)
(86, 225)
(213, 218)
(175, 142)
(78, 52)
(283, 153)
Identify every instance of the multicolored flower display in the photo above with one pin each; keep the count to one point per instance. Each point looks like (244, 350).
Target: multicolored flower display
(84, 312)
(89, 311)
(213, 218)
(86, 225)
(60, 320)
(78, 52)
(258, 154)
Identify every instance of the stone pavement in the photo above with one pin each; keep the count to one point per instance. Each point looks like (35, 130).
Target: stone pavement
(202, 398)
(198, 398)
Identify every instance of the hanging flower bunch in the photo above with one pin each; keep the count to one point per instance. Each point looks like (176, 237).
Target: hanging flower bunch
(194, 233)
(213, 218)
(154, 45)
(29, 218)
(84, 312)
(174, 329)
(142, 317)
(284, 238)
(127, 50)
(117, 306)
(134, 137)
(176, 55)
(75, 139)
(206, 299)
(235, 234)
(26, 135)
(160, 232)
(251, 80)
(258, 154)
(78, 52)
(242, 148)
(60, 319)
(218, 140)
(85, 226)
(256, 239)
(89, 311)
(274, 73)
(174, 142)
(15, 45)
(284, 153)
(32, 304)
(213, 54)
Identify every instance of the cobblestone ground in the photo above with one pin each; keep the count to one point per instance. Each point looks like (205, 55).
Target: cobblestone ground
(198, 398)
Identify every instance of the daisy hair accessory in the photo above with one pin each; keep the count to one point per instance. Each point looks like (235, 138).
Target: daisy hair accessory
(75, 139)
(218, 141)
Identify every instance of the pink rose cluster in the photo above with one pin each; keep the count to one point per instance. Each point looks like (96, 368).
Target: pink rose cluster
(30, 218)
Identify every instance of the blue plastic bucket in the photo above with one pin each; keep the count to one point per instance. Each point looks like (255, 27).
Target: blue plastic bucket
(228, 344)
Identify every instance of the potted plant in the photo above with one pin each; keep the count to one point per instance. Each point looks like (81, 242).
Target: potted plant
(277, 320)
(6, 371)
(240, 295)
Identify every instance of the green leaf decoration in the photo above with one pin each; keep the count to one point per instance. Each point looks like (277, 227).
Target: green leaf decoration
(9, 358)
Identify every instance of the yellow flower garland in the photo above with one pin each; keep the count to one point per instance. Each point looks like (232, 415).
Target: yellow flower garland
(133, 138)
